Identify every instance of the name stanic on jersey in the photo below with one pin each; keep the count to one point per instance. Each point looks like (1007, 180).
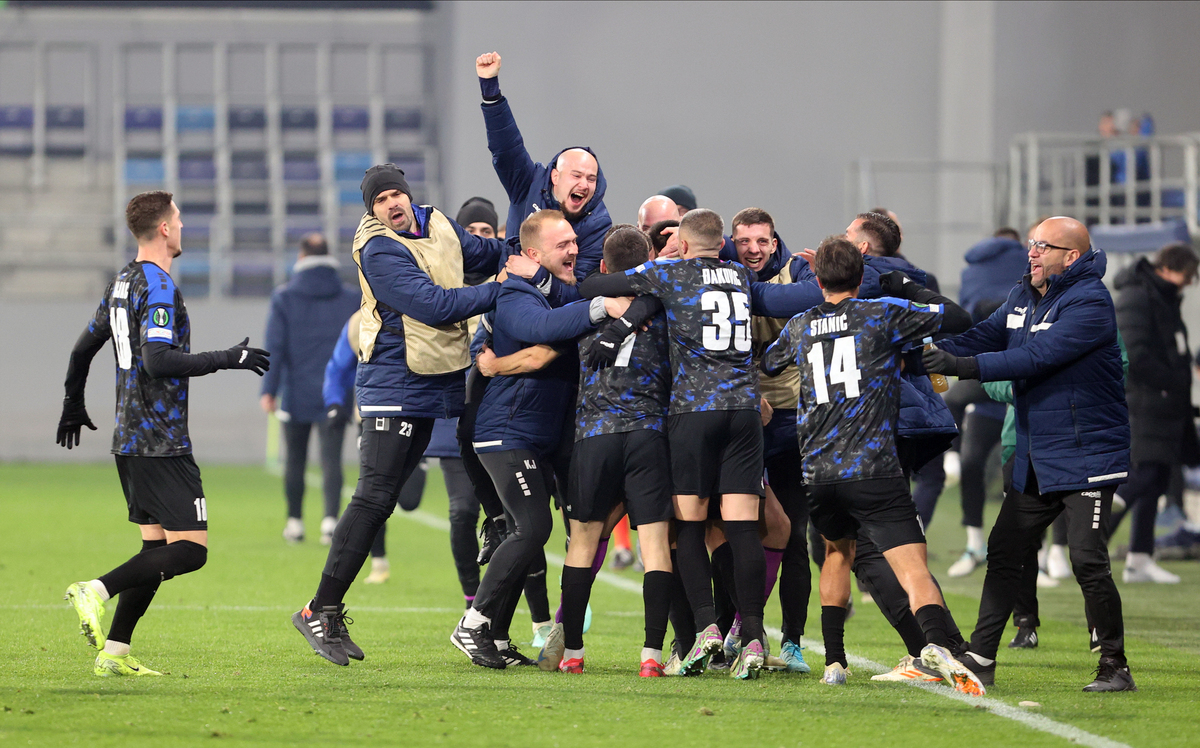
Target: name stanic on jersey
(631, 394)
(707, 304)
(142, 304)
(848, 357)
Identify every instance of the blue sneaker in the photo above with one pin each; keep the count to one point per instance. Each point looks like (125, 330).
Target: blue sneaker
(793, 656)
(587, 618)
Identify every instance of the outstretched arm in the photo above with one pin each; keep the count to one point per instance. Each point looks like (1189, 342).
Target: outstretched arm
(509, 157)
(163, 361)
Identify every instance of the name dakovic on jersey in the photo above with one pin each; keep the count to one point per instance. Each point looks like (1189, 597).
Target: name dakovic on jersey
(715, 276)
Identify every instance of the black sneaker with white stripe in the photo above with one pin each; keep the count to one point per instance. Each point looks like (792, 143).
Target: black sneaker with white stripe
(353, 651)
(320, 629)
(513, 657)
(477, 644)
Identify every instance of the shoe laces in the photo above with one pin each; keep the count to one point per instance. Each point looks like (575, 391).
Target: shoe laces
(342, 620)
(1106, 671)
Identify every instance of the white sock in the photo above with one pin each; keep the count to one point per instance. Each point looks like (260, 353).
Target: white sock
(975, 538)
(116, 649)
(502, 644)
(981, 660)
(573, 654)
(474, 619)
(1137, 560)
(99, 588)
(538, 624)
(380, 563)
(652, 654)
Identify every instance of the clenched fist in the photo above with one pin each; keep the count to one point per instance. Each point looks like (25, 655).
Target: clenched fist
(487, 65)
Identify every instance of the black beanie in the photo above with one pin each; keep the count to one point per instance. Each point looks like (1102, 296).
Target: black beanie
(476, 210)
(381, 178)
(681, 194)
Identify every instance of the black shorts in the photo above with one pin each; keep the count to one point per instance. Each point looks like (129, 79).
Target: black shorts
(716, 452)
(163, 491)
(882, 507)
(633, 467)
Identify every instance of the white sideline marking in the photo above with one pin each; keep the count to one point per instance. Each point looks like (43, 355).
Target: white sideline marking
(999, 708)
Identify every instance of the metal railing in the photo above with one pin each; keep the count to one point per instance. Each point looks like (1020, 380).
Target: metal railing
(1104, 180)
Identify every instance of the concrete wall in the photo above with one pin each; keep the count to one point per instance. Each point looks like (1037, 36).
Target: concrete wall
(226, 423)
(748, 103)
(1060, 64)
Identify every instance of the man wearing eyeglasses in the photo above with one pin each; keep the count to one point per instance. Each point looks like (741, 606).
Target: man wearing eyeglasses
(1056, 339)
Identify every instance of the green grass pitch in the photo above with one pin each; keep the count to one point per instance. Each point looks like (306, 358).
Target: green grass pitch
(241, 675)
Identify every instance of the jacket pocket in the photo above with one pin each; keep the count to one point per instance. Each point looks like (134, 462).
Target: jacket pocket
(1075, 424)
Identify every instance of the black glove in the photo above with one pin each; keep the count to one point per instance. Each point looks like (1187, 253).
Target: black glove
(335, 414)
(604, 349)
(74, 417)
(242, 356)
(893, 284)
(937, 361)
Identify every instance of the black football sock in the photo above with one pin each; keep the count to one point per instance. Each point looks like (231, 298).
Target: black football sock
(536, 595)
(934, 622)
(724, 602)
(155, 565)
(132, 604)
(379, 545)
(833, 630)
(576, 588)
(680, 614)
(750, 571)
(656, 597)
(795, 587)
(696, 572)
(912, 635)
(331, 591)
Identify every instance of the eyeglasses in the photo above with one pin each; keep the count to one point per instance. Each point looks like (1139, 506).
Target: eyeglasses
(1039, 248)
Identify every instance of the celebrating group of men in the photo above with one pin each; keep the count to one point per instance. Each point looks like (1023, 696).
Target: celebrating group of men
(719, 390)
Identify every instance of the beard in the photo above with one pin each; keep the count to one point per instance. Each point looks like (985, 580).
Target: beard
(572, 217)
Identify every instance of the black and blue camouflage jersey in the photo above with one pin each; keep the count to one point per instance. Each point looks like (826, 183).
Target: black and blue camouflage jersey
(631, 394)
(848, 357)
(707, 304)
(142, 304)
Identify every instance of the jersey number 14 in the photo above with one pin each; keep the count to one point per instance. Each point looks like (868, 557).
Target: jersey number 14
(843, 368)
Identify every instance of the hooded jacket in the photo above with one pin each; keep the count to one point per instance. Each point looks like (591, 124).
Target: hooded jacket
(306, 316)
(384, 385)
(529, 411)
(1159, 386)
(529, 190)
(994, 266)
(1061, 351)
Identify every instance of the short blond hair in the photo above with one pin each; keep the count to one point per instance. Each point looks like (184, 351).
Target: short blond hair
(531, 227)
(704, 228)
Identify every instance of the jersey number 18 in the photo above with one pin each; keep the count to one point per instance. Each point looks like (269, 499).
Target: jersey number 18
(118, 320)
(843, 368)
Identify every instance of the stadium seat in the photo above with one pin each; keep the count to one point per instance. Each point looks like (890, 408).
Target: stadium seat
(398, 119)
(16, 131)
(298, 118)
(351, 118)
(195, 118)
(1141, 237)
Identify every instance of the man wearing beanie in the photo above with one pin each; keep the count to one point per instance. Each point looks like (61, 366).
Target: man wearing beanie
(571, 182)
(413, 355)
(478, 216)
